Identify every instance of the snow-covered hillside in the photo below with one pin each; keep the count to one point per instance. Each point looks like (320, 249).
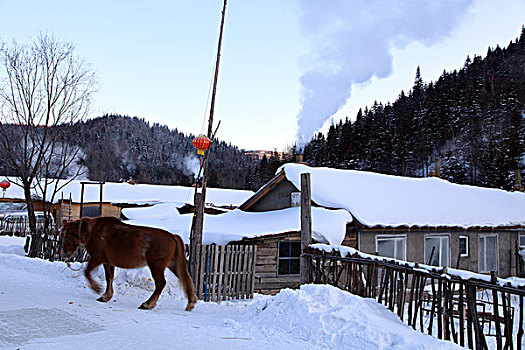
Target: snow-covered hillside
(45, 305)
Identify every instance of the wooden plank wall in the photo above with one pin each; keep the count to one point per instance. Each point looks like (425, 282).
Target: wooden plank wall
(226, 272)
(267, 281)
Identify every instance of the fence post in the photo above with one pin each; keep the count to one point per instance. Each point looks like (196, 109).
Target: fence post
(306, 226)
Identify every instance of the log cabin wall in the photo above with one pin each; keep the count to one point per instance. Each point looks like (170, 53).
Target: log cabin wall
(267, 279)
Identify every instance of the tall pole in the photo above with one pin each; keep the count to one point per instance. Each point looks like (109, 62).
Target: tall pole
(306, 226)
(198, 217)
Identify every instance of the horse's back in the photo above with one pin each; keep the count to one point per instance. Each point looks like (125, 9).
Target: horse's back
(130, 246)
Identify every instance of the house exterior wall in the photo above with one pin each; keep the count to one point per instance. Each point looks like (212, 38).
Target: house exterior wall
(61, 210)
(278, 198)
(415, 247)
(267, 280)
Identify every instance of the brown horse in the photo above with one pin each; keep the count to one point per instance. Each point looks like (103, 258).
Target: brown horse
(114, 243)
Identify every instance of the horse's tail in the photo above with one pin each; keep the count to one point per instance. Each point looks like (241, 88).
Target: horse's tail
(179, 267)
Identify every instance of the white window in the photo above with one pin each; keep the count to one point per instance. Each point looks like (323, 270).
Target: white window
(437, 250)
(391, 246)
(463, 246)
(488, 253)
(522, 240)
(296, 199)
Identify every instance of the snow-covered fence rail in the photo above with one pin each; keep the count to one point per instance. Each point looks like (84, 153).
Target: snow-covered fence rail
(226, 272)
(469, 309)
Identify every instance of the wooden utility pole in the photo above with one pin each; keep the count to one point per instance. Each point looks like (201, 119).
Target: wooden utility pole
(200, 199)
(306, 225)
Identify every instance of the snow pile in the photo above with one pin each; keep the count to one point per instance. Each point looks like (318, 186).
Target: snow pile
(328, 226)
(12, 245)
(328, 317)
(386, 200)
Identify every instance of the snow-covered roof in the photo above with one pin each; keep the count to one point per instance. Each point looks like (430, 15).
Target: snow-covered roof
(391, 201)
(327, 225)
(121, 193)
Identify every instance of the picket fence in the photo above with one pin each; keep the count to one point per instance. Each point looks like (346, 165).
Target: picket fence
(226, 272)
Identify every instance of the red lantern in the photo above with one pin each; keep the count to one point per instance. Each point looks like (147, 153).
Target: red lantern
(4, 185)
(201, 143)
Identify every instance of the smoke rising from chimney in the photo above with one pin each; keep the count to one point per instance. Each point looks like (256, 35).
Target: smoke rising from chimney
(352, 42)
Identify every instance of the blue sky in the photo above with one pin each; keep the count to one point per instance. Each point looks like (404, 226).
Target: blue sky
(155, 59)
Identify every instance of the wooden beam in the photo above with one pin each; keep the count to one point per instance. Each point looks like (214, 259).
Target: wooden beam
(306, 225)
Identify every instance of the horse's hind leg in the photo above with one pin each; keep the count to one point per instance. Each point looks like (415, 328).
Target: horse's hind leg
(180, 270)
(157, 272)
(109, 271)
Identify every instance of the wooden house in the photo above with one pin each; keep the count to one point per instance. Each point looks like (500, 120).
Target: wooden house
(426, 220)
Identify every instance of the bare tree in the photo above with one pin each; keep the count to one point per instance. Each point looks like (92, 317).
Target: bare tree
(43, 87)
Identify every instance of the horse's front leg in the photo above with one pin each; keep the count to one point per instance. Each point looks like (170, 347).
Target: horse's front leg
(157, 272)
(109, 271)
(92, 264)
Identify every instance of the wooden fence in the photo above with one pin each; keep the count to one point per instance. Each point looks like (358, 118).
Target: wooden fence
(470, 312)
(226, 272)
(47, 246)
(18, 226)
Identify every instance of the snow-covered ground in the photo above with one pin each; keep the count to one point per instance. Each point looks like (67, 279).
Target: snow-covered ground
(45, 305)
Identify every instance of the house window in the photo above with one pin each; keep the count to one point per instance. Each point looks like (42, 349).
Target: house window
(463, 246)
(296, 199)
(522, 240)
(391, 246)
(436, 250)
(488, 253)
(289, 258)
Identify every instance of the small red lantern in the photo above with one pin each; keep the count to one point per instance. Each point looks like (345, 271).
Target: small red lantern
(201, 143)
(4, 185)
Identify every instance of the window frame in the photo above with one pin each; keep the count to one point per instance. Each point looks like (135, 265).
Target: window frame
(440, 236)
(461, 255)
(395, 238)
(288, 258)
(484, 237)
(521, 235)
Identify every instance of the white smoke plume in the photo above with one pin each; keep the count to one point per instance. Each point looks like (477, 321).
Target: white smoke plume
(190, 165)
(352, 42)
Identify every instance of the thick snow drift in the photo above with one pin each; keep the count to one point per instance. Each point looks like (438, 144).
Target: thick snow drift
(328, 317)
(385, 200)
(327, 225)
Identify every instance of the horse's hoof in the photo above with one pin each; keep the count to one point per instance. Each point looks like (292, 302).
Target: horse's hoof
(102, 300)
(190, 306)
(143, 306)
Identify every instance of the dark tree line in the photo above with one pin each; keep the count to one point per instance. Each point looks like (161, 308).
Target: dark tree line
(472, 120)
(117, 148)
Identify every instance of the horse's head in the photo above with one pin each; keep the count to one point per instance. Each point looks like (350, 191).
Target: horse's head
(71, 238)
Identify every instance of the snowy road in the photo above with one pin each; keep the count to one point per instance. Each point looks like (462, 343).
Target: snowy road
(44, 305)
